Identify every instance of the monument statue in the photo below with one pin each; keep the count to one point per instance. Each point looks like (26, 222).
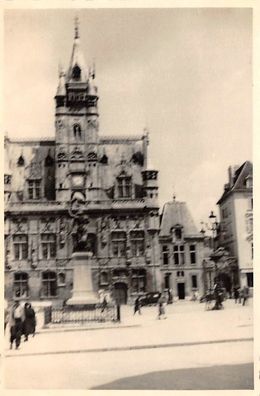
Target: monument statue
(81, 234)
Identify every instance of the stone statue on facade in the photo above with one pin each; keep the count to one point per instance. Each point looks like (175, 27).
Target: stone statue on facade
(81, 234)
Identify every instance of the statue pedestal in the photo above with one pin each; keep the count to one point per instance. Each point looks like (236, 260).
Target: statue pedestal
(82, 293)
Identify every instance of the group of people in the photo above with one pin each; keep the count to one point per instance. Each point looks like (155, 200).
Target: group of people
(21, 321)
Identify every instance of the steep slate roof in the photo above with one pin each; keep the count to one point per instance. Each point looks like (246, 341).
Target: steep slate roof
(177, 213)
(245, 170)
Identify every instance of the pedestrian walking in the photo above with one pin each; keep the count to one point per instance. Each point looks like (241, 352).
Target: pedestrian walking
(6, 315)
(218, 295)
(16, 324)
(236, 294)
(245, 295)
(104, 304)
(137, 306)
(29, 324)
(161, 308)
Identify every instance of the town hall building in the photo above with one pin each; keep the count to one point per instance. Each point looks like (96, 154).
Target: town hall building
(80, 172)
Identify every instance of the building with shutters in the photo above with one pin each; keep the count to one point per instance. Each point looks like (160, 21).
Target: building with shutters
(236, 220)
(105, 179)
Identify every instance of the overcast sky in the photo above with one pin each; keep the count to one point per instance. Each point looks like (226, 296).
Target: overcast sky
(185, 74)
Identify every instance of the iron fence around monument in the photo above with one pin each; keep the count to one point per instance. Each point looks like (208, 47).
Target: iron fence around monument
(66, 316)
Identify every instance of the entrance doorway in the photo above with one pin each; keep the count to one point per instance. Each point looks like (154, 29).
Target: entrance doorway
(120, 293)
(181, 291)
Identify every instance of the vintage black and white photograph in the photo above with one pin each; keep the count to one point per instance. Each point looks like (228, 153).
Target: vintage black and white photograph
(128, 199)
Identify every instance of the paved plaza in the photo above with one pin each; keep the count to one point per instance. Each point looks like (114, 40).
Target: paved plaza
(142, 352)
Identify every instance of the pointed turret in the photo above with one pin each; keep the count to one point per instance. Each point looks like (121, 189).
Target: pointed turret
(77, 69)
(61, 90)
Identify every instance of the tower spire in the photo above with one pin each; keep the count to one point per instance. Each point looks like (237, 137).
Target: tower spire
(76, 27)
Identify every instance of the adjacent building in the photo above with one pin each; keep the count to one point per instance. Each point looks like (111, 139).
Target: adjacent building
(236, 220)
(182, 251)
(49, 183)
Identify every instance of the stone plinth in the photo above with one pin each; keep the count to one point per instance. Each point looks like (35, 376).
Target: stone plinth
(82, 293)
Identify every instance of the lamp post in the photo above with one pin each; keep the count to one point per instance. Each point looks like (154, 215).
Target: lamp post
(213, 228)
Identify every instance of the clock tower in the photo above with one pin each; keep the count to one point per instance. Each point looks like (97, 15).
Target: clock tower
(76, 122)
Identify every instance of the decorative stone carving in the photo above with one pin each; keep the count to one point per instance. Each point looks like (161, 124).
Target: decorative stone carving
(20, 226)
(62, 233)
(48, 224)
(34, 258)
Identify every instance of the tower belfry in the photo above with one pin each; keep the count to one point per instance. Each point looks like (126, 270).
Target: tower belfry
(76, 125)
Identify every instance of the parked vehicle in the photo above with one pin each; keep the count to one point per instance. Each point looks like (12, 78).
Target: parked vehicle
(149, 298)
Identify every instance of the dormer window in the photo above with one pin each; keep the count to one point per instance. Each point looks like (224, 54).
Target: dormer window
(34, 189)
(124, 186)
(177, 232)
(76, 72)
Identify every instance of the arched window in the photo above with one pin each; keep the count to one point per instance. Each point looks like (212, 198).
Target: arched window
(61, 278)
(76, 72)
(20, 287)
(49, 284)
(49, 161)
(20, 161)
(77, 131)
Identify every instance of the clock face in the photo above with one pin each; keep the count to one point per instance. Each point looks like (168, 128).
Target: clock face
(77, 180)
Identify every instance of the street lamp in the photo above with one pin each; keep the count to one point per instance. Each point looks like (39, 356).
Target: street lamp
(214, 229)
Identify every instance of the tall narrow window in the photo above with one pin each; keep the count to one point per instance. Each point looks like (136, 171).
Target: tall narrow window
(48, 244)
(193, 254)
(20, 288)
(137, 243)
(250, 279)
(49, 284)
(20, 247)
(165, 254)
(118, 244)
(124, 187)
(178, 232)
(179, 254)
(194, 283)
(103, 278)
(34, 189)
(77, 131)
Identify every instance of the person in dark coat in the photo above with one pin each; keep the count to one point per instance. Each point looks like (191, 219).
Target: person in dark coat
(29, 321)
(236, 294)
(104, 304)
(16, 324)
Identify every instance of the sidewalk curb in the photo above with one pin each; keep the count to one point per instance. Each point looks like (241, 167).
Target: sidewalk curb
(134, 347)
(47, 330)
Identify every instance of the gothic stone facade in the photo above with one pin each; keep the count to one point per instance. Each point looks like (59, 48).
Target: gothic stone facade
(79, 172)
